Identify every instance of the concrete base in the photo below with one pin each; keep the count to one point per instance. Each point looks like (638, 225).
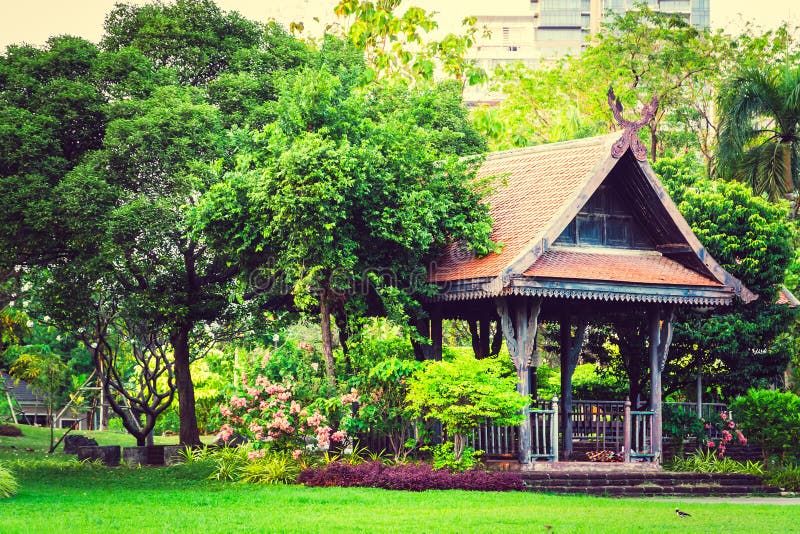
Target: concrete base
(134, 456)
(108, 454)
(172, 454)
(593, 467)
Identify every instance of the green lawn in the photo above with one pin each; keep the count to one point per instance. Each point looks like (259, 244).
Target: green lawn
(177, 499)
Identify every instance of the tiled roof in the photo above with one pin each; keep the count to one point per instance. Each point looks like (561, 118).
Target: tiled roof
(533, 185)
(643, 267)
(21, 391)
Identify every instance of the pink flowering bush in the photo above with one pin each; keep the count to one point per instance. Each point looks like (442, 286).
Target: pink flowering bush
(721, 433)
(269, 416)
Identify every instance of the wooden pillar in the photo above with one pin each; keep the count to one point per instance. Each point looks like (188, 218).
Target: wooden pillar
(436, 331)
(566, 386)
(570, 352)
(485, 337)
(653, 333)
(519, 319)
(660, 334)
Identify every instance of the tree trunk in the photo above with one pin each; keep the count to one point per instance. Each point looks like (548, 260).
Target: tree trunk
(189, 434)
(787, 168)
(327, 336)
(459, 442)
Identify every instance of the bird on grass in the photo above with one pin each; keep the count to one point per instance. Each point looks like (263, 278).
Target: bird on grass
(682, 514)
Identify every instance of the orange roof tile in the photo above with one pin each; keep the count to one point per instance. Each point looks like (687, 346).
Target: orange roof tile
(642, 267)
(532, 188)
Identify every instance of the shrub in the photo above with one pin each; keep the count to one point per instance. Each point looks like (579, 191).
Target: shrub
(787, 478)
(10, 431)
(771, 419)
(382, 409)
(709, 462)
(228, 462)
(274, 468)
(8, 484)
(444, 458)
(412, 477)
(463, 392)
(268, 415)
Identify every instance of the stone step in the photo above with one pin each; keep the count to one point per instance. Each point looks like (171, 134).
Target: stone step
(632, 478)
(653, 490)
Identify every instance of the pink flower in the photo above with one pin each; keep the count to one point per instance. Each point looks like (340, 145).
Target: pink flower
(710, 444)
(252, 455)
(225, 432)
(238, 402)
(225, 410)
(723, 416)
(338, 436)
(294, 408)
(708, 426)
(297, 453)
(351, 397)
(731, 424)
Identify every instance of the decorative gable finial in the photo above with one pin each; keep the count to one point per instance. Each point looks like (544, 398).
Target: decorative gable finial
(630, 129)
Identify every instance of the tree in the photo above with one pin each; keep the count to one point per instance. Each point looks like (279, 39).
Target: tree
(462, 393)
(51, 114)
(136, 368)
(760, 129)
(399, 45)
(46, 375)
(100, 204)
(641, 53)
(752, 240)
(351, 182)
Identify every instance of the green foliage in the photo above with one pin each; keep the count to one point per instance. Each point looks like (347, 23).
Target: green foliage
(588, 383)
(444, 457)
(463, 392)
(709, 462)
(681, 423)
(228, 463)
(752, 240)
(382, 404)
(8, 483)
(397, 44)
(640, 53)
(273, 468)
(760, 129)
(194, 38)
(770, 419)
(787, 478)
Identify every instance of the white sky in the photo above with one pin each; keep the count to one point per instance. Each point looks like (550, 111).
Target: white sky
(33, 21)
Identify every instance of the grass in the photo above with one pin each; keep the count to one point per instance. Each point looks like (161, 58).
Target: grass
(181, 499)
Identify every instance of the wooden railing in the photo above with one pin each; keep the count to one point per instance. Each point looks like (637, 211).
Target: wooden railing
(638, 434)
(600, 422)
(544, 432)
(495, 440)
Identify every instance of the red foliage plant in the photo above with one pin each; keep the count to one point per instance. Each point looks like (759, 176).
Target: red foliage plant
(419, 477)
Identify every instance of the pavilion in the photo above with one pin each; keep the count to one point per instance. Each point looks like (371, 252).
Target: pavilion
(587, 231)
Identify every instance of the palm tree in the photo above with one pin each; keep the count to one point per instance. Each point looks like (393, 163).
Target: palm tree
(758, 136)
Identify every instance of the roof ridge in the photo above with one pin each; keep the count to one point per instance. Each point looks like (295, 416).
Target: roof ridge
(548, 147)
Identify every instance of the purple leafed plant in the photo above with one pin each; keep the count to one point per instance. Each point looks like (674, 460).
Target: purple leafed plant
(419, 477)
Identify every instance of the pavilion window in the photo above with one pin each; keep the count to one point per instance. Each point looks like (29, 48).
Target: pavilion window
(605, 222)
